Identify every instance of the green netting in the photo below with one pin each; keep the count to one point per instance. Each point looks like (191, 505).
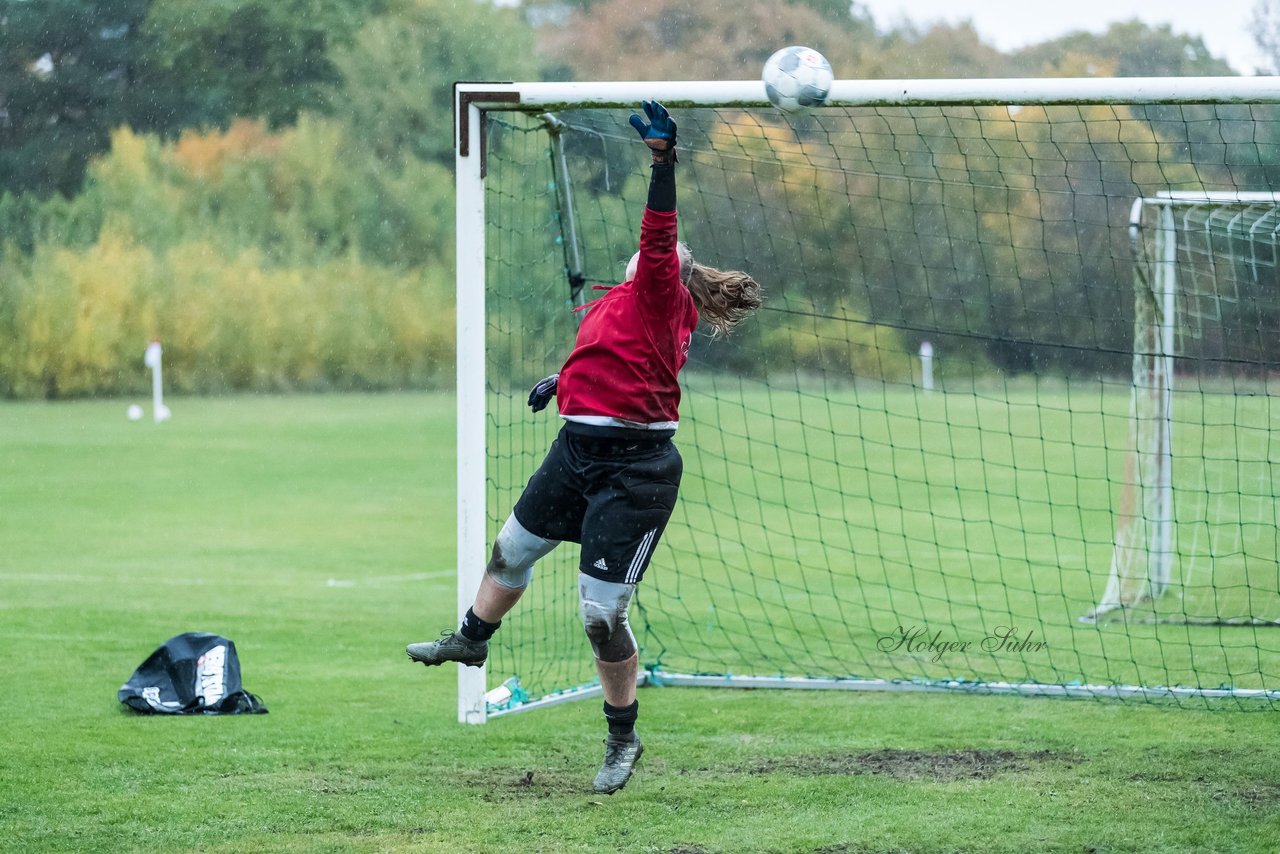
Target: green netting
(839, 519)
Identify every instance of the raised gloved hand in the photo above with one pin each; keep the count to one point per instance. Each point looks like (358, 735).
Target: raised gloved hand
(659, 133)
(542, 393)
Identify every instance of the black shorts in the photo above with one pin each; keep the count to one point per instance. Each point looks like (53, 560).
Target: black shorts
(612, 495)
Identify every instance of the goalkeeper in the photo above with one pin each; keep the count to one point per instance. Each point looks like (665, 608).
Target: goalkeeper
(609, 480)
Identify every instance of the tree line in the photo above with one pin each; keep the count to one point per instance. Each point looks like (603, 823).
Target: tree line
(267, 185)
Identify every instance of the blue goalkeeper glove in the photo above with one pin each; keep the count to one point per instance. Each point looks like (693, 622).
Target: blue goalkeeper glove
(659, 133)
(542, 393)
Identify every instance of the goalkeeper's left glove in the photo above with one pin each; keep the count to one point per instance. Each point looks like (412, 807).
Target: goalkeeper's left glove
(659, 133)
(542, 393)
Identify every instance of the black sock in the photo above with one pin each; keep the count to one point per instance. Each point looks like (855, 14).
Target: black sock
(621, 719)
(476, 629)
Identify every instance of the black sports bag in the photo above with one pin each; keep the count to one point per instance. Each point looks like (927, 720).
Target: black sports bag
(196, 673)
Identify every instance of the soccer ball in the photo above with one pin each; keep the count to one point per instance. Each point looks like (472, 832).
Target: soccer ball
(797, 77)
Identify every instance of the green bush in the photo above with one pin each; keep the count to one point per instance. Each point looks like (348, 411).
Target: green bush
(261, 261)
(76, 322)
(838, 343)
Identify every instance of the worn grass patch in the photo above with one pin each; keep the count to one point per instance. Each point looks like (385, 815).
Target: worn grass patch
(917, 764)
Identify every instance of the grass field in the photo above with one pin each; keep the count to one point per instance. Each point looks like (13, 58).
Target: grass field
(817, 526)
(317, 532)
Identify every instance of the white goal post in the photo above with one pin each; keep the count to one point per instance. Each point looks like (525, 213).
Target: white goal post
(477, 103)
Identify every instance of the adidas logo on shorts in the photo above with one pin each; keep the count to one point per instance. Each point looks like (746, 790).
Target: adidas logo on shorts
(601, 565)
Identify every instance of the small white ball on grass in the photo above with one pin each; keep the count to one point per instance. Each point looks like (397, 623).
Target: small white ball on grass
(134, 412)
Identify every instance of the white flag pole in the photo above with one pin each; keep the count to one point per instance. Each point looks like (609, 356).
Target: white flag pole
(926, 365)
(152, 359)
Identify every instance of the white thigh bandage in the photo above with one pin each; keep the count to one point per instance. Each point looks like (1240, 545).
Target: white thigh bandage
(604, 606)
(514, 554)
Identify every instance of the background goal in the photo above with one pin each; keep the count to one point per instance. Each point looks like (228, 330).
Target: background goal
(1073, 495)
(1196, 522)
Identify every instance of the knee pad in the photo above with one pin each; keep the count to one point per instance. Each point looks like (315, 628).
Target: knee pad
(515, 551)
(604, 606)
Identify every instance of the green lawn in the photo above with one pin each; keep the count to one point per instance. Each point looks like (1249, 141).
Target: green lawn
(816, 525)
(317, 532)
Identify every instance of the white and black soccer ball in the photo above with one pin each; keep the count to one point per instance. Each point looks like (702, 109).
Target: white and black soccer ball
(797, 77)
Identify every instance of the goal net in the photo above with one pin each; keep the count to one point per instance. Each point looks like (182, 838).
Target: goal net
(958, 448)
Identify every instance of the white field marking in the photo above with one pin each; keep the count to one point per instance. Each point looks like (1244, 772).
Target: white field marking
(393, 579)
(264, 581)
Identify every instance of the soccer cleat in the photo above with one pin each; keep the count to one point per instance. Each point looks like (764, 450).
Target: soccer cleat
(620, 755)
(452, 646)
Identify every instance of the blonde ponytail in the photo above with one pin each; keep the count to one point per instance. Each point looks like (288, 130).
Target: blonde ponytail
(723, 298)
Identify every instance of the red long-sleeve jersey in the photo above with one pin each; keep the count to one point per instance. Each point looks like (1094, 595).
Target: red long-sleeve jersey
(633, 342)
